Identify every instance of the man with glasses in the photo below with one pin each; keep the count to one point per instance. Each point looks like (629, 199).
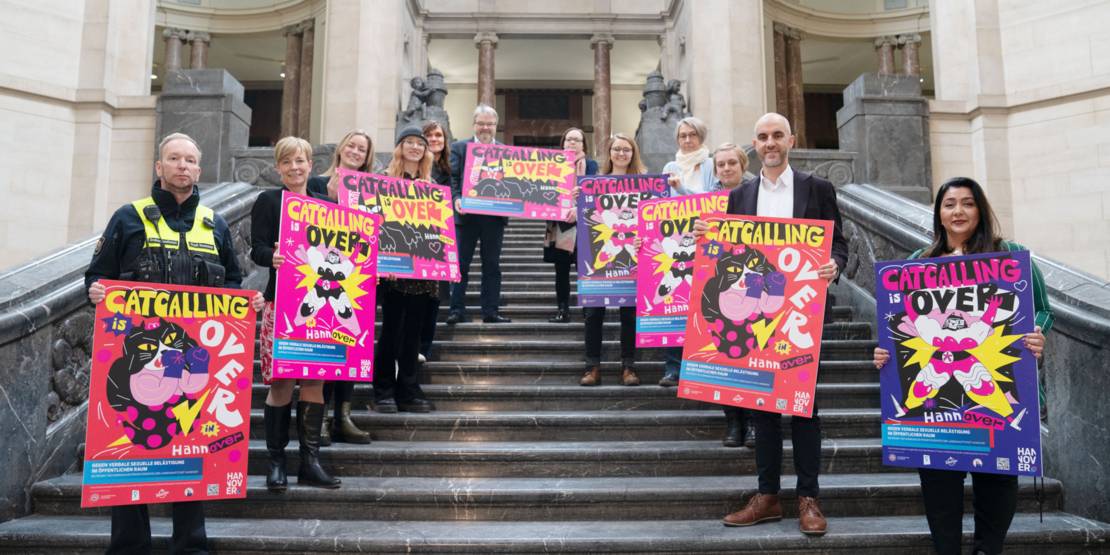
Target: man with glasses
(472, 228)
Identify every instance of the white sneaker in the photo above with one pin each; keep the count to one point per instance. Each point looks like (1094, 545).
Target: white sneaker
(421, 358)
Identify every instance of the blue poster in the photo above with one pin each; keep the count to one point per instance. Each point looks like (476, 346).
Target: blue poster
(608, 212)
(960, 389)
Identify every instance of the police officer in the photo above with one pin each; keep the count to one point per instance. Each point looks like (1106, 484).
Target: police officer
(167, 237)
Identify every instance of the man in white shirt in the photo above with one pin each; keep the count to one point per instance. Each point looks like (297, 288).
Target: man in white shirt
(779, 191)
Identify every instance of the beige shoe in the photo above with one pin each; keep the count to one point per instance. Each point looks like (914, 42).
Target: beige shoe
(810, 520)
(629, 377)
(591, 377)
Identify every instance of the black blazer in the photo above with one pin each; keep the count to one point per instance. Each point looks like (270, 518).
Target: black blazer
(458, 163)
(814, 199)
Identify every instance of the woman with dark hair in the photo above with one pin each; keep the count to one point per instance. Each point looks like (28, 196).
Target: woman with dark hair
(404, 303)
(293, 160)
(441, 175)
(559, 235)
(355, 152)
(963, 223)
(622, 156)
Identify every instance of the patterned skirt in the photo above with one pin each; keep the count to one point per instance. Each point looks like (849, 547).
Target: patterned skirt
(266, 343)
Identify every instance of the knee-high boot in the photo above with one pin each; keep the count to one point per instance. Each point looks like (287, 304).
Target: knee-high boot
(310, 419)
(276, 424)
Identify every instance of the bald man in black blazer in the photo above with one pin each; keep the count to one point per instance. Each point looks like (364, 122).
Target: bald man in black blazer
(781, 192)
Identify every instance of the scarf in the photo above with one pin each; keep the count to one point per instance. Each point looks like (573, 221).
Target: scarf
(688, 164)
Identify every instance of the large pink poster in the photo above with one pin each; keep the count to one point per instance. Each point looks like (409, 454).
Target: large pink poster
(518, 181)
(324, 300)
(666, 269)
(169, 395)
(417, 238)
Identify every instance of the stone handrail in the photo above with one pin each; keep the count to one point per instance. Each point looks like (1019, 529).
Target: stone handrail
(46, 328)
(883, 226)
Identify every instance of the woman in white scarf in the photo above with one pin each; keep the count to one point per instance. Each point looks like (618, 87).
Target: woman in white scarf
(691, 172)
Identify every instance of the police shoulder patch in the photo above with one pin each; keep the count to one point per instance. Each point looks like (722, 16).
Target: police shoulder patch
(99, 243)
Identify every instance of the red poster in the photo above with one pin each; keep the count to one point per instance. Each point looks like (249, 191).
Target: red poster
(753, 336)
(169, 395)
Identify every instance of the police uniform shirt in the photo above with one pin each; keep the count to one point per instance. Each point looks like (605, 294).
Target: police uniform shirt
(118, 249)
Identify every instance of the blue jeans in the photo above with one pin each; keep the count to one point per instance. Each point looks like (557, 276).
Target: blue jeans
(490, 230)
(672, 360)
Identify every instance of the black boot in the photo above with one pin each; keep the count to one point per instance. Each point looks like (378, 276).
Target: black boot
(562, 315)
(749, 434)
(310, 418)
(276, 423)
(325, 431)
(734, 433)
(345, 429)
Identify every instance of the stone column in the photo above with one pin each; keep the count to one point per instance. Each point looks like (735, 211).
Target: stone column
(782, 103)
(794, 92)
(199, 55)
(601, 44)
(885, 47)
(290, 88)
(486, 42)
(174, 39)
(304, 95)
(911, 64)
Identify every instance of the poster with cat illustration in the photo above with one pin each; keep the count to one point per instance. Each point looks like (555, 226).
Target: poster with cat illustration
(753, 335)
(169, 395)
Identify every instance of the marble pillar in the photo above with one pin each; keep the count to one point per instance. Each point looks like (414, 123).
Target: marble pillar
(486, 42)
(174, 39)
(304, 95)
(291, 83)
(198, 58)
(911, 63)
(794, 90)
(603, 115)
(782, 103)
(885, 48)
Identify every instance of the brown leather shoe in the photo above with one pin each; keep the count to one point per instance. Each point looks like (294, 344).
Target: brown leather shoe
(810, 520)
(629, 377)
(762, 507)
(591, 377)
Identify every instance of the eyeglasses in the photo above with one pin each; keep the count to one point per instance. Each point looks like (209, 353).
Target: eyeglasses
(620, 150)
(684, 136)
(572, 140)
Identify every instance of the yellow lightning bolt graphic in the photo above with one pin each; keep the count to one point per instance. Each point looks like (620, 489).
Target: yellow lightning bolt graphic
(187, 414)
(309, 278)
(352, 286)
(990, 354)
(922, 351)
(763, 331)
(665, 262)
(121, 441)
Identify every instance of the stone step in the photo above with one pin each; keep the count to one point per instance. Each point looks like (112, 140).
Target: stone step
(595, 425)
(496, 348)
(567, 372)
(476, 330)
(577, 459)
(542, 309)
(905, 535)
(547, 398)
(549, 499)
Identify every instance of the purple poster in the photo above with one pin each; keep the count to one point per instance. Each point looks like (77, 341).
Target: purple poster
(608, 207)
(960, 389)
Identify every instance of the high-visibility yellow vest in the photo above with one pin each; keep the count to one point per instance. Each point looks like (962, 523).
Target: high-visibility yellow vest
(200, 239)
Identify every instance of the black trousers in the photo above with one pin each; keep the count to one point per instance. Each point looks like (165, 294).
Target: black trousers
(994, 498)
(398, 344)
(131, 529)
(562, 283)
(595, 318)
(806, 435)
(490, 230)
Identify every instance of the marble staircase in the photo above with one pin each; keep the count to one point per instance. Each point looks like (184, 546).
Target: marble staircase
(520, 459)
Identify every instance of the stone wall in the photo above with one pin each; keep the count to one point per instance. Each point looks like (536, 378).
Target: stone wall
(46, 327)
(882, 226)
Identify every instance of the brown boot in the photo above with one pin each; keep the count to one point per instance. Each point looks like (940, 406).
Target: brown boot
(591, 377)
(762, 507)
(629, 377)
(810, 520)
